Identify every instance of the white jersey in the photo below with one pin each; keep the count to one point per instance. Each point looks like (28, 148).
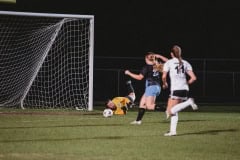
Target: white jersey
(177, 74)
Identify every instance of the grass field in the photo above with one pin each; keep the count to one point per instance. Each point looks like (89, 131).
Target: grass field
(211, 133)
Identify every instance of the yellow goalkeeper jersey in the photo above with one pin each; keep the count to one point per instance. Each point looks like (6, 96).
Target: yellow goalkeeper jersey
(120, 102)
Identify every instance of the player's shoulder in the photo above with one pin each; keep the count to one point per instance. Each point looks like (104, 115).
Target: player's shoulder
(170, 61)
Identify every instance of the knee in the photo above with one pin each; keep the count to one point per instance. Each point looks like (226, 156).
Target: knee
(150, 106)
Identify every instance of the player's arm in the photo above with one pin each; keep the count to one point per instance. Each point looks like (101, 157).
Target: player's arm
(166, 69)
(133, 75)
(192, 77)
(159, 56)
(164, 59)
(164, 80)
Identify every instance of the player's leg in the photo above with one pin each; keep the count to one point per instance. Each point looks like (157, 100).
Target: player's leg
(171, 103)
(174, 118)
(131, 98)
(150, 102)
(174, 98)
(173, 126)
(147, 101)
(151, 93)
(130, 88)
(131, 94)
(141, 111)
(179, 105)
(177, 108)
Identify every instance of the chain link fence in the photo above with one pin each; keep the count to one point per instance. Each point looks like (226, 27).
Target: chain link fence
(218, 79)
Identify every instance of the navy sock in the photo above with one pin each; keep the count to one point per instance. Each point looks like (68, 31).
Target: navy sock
(141, 112)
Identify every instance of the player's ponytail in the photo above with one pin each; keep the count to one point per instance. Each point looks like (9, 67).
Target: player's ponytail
(177, 52)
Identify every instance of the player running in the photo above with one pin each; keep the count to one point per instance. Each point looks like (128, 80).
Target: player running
(151, 73)
(177, 68)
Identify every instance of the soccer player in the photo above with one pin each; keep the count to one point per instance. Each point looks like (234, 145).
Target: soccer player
(178, 99)
(120, 105)
(151, 73)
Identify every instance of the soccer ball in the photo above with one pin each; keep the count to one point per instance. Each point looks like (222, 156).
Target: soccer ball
(107, 113)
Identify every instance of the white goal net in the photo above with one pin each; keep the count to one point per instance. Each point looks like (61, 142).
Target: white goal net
(46, 60)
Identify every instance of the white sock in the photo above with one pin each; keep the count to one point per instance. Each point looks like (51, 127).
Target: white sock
(173, 123)
(177, 108)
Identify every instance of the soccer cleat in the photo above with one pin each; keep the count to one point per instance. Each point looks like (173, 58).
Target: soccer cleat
(193, 104)
(136, 122)
(128, 82)
(168, 134)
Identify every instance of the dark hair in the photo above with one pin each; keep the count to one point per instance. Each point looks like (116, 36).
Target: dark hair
(107, 103)
(150, 56)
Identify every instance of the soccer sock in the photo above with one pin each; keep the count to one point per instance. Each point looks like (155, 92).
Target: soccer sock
(177, 108)
(141, 112)
(173, 123)
(130, 87)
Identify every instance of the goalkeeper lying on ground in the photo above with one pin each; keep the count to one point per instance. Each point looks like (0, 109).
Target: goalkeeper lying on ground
(120, 105)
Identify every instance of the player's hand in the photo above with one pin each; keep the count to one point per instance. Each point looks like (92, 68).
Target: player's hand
(127, 72)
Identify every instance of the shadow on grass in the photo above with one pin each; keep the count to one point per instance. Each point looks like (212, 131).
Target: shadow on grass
(168, 121)
(209, 132)
(63, 139)
(63, 126)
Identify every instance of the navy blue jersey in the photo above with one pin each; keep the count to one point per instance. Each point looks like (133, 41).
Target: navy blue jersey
(153, 77)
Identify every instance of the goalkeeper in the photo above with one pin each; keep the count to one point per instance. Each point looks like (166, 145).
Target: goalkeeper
(120, 105)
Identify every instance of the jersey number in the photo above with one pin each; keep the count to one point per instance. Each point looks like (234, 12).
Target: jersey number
(180, 69)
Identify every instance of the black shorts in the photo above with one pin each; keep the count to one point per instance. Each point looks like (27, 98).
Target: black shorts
(179, 94)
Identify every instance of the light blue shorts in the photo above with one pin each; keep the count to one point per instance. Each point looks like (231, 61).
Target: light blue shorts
(153, 90)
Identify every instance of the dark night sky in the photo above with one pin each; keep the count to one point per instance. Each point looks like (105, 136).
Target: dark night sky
(132, 27)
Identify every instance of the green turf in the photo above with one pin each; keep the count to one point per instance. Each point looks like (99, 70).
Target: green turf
(212, 133)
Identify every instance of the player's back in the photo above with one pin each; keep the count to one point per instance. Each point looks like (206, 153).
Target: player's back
(177, 73)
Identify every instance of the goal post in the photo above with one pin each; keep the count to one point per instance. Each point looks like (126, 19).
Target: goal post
(46, 60)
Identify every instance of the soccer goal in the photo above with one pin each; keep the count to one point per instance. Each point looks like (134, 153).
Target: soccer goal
(46, 60)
